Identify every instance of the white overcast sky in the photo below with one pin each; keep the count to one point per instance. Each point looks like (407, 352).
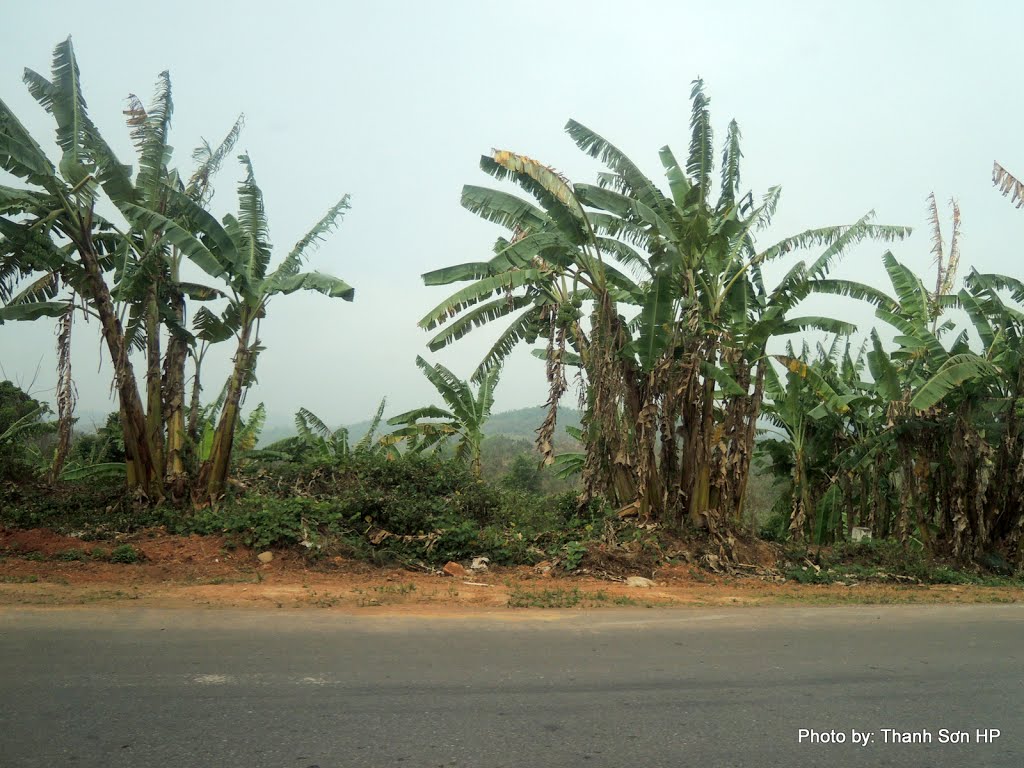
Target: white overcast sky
(849, 107)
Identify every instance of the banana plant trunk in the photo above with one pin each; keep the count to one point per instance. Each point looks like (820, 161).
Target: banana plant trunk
(749, 437)
(192, 429)
(154, 395)
(65, 394)
(141, 470)
(214, 473)
(476, 463)
(175, 476)
(700, 493)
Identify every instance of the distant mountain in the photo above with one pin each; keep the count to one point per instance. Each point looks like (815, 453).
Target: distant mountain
(524, 422)
(520, 424)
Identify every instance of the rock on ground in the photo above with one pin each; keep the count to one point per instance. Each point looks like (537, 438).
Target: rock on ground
(454, 569)
(639, 581)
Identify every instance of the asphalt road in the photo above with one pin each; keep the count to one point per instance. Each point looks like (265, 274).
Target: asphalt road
(707, 688)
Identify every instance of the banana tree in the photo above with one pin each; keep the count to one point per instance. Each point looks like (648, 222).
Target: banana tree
(432, 426)
(238, 249)
(317, 442)
(823, 409)
(151, 286)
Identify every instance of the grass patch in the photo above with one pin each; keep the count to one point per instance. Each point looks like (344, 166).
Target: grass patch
(521, 597)
(544, 598)
(30, 579)
(624, 600)
(72, 555)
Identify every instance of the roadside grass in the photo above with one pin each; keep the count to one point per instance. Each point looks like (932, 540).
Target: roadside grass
(524, 597)
(213, 581)
(889, 561)
(124, 554)
(422, 512)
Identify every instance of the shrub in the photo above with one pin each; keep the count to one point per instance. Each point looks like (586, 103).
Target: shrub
(414, 507)
(97, 506)
(776, 526)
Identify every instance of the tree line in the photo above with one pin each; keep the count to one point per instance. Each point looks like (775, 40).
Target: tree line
(654, 299)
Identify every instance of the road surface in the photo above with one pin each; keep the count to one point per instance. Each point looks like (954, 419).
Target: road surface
(116, 687)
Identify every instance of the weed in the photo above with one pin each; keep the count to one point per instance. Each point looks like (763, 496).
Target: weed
(574, 553)
(395, 589)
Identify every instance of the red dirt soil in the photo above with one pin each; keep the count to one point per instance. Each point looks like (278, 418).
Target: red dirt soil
(39, 567)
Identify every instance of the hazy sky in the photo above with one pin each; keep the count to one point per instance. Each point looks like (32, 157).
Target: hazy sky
(849, 107)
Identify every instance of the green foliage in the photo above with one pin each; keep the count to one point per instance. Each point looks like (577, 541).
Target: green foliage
(21, 423)
(775, 526)
(416, 507)
(259, 521)
(926, 447)
(125, 553)
(96, 506)
(104, 446)
(574, 554)
(519, 425)
(523, 475)
(15, 405)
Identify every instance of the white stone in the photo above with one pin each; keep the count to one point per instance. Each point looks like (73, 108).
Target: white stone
(860, 533)
(639, 581)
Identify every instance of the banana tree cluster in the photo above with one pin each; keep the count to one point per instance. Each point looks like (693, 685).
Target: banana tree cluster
(62, 253)
(929, 446)
(657, 298)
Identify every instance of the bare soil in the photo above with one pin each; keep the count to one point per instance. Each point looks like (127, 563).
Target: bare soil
(39, 567)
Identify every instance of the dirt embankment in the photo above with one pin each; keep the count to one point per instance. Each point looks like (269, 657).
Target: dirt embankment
(38, 567)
